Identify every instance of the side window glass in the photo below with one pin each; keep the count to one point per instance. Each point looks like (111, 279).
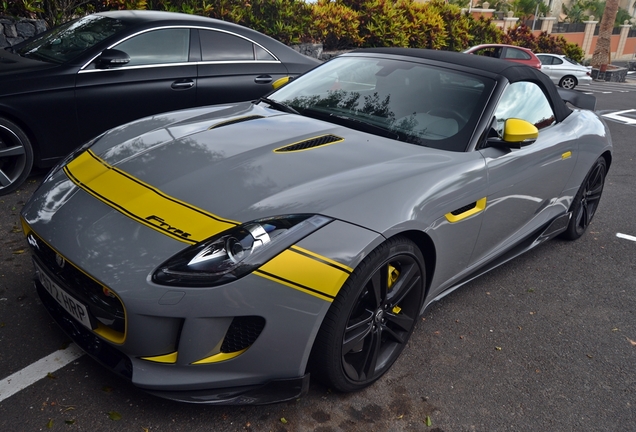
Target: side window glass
(557, 61)
(546, 60)
(512, 53)
(219, 46)
(524, 100)
(157, 47)
(261, 54)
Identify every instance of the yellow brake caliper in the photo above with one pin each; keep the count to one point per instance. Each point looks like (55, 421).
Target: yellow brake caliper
(394, 274)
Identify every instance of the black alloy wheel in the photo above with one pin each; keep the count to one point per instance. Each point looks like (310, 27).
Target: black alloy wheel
(372, 318)
(16, 156)
(586, 200)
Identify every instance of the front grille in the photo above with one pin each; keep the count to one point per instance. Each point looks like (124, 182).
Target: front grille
(242, 333)
(310, 143)
(103, 305)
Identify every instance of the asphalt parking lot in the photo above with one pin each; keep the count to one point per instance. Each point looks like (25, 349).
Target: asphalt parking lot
(546, 342)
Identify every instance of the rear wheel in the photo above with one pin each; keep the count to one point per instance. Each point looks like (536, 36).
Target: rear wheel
(586, 200)
(568, 82)
(16, 156)
(372, 317)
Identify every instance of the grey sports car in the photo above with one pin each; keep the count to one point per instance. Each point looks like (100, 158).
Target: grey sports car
(222, 254)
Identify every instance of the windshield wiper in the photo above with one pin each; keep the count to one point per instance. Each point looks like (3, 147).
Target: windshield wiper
(278, 105)
(353, 122)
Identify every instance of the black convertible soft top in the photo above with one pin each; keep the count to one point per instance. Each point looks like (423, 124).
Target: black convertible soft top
(513, 72)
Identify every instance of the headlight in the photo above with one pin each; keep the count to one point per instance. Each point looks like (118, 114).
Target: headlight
(236, 252)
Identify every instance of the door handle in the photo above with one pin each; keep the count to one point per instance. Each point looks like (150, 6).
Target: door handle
(263, 79)
(182, 84)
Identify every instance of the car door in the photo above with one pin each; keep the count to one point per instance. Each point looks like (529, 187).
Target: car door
(525, 185)
(158, 78)
(234, 68)
(546, 65)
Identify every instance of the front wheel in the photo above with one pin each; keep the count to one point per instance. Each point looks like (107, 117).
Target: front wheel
(16, 156)
(372, 317)
(586, 200)
(568, 82)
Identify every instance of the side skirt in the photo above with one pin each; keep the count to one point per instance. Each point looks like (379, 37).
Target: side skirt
(548, 232)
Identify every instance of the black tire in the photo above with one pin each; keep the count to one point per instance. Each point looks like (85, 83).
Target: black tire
(568, 82)
(372, 317)
(16, 156)
(586, 200)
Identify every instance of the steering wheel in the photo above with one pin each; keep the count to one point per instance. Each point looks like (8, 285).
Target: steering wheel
(448, 113)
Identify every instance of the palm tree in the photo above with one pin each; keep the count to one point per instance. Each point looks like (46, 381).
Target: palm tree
(603, 51)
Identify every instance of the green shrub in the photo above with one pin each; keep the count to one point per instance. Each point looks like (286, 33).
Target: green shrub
(336, 25)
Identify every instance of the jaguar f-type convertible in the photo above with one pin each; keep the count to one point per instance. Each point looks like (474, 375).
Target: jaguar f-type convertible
(223, 254)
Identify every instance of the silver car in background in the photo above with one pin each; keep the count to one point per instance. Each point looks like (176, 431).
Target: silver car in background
(563, 71)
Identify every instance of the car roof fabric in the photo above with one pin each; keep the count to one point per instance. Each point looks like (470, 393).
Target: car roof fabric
(513, 72)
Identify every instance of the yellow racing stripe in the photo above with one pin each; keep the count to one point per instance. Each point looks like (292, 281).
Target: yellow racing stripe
(142, 202)
(311, 274)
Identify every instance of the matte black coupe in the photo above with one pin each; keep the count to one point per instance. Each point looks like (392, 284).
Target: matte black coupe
(75, 81)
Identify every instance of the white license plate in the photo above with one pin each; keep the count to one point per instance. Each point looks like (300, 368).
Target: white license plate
(68, 302)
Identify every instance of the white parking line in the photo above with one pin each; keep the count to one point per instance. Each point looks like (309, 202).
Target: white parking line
(626, 237)
(618, 117)
(38, 370)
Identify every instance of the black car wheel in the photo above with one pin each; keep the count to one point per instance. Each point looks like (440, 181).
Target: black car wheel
(586, 200)
(16, 156)
(568, 82)
(372, 317)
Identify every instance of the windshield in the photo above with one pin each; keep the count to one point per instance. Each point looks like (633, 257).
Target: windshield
(407, 101)
(69, 40)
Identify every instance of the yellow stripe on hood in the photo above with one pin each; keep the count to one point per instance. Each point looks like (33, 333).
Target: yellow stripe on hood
(142, 202)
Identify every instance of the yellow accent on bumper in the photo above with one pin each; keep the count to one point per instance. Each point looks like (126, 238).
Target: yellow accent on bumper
(216, 358)
(167, 358)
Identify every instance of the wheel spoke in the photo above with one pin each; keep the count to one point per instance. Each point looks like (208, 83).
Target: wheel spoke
(372, 354)
(4, 180)
(404, 321)
(378, 284)
(355, 334)
(407, 281)
(12, 151)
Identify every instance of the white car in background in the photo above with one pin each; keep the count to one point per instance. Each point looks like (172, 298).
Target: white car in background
(564, 71)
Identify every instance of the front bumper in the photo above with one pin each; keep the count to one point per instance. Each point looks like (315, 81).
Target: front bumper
(273, 391)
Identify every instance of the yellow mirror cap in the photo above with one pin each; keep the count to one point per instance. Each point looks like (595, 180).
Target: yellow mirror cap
(280, 82)
(517, 130)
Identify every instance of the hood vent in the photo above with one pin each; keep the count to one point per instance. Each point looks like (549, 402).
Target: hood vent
(236, 120)
(310, 144)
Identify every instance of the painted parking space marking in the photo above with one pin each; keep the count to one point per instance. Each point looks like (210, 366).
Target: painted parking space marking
(625, 116)
(38, 370)
(626, 237)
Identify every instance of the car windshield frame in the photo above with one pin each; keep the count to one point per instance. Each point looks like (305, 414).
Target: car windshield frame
(69, 41)
(405, 100)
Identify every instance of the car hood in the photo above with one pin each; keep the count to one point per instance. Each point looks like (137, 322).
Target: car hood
(237, 163)
(12, 64)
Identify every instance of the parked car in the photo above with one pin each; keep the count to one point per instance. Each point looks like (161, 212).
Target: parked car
(66, 86)
(564, 71)
(506, 52)
(222, 254)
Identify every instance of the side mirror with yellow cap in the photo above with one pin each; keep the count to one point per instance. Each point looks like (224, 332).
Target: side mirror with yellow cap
(281, 82)
(516, 133)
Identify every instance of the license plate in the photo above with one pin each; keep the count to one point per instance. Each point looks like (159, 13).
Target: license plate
(67, 301)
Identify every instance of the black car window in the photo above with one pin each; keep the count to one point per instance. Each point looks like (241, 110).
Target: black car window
(69, 40)
(220, 46)
(157, 46)
(557, 61)
(524, 100)
(546, 60)
(513, 53)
